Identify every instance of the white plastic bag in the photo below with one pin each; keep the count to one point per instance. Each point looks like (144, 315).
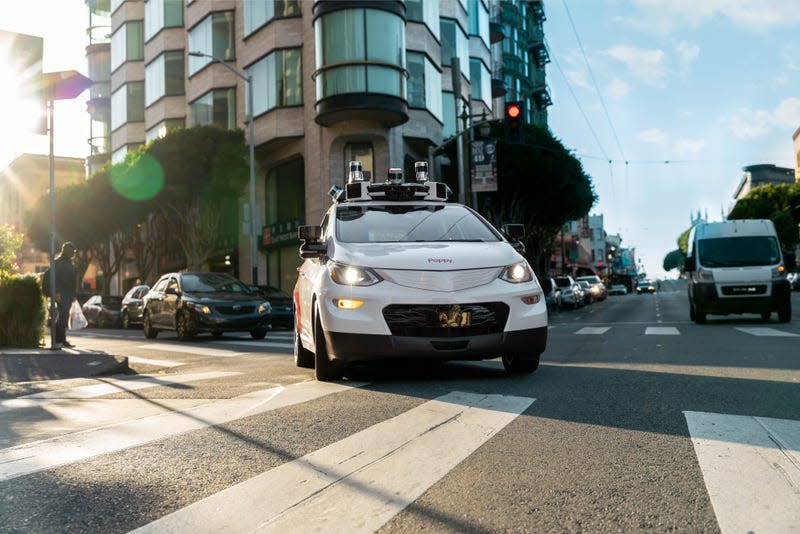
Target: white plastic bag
(76, 318)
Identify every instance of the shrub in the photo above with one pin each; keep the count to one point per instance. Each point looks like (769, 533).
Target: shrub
(22, 311)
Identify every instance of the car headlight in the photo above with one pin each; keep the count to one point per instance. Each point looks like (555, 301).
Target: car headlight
(517, 273)
(778, 272)
(349, 275)
(265, 307)
(705, 275)
(200, 308)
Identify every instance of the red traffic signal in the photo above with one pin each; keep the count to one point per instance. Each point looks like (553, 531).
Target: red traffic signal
(513, 110)
(514, 123)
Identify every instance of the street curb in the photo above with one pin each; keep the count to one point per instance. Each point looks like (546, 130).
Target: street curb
(43, 364)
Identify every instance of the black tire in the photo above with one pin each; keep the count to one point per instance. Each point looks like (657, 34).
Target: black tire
(785, 312)
(258, 333)
(149, 331)
(126, 320)
(216, 335)
(302, 356)
(699, 316)
(692, 316)
(518, 363)
(183, 326)
(765, 316)
(324, 369)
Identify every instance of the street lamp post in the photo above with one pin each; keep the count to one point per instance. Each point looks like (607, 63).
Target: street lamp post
(61, 85)
(250, 141)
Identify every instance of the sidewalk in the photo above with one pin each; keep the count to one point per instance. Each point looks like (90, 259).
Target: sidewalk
(23, 365)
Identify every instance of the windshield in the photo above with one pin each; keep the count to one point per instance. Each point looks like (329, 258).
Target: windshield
(211, 283)
(410, 223)
(738, 251)
(563, 282)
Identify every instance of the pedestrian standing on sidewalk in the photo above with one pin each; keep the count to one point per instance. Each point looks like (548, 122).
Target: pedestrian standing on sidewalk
(66, 281)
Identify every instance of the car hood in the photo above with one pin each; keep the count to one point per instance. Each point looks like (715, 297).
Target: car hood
(426, 256)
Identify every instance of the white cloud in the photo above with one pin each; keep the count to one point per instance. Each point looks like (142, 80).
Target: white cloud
(666, 16)
(653, 135)
(645, 65)
(752, 123)
(685, 147)
(687, 53)
(617, 88)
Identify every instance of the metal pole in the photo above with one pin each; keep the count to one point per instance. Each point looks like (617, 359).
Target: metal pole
(51, 110)
(471, 139)
(251, 141)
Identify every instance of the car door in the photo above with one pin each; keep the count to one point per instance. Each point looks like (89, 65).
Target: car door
(91, 309)
(303, 295)
(170, 303)
(155, 299)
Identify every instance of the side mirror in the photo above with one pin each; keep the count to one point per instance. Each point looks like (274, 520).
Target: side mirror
(172, 291)
(689, 264)
(513, 231)
(519, 247)
(311, 247)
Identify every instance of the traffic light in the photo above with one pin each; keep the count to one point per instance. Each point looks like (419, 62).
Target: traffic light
(514, 123)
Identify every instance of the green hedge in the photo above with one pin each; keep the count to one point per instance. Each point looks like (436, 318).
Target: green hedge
(23, 312)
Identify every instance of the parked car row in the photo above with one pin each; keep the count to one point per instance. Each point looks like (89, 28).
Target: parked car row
(193, 303)
(568, 292)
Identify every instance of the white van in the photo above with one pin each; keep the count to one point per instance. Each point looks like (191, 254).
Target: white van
(736, 267)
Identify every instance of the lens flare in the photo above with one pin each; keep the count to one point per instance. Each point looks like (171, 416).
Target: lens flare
(142, 180)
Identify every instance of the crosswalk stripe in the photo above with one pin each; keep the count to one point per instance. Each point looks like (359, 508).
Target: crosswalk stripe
(593, 330)
(368, 478)
(109, 386)
(751, 467)
(764, 331)
(259, 344)
(32, 457)
(190, 349)
(150, 361)
(661, 331)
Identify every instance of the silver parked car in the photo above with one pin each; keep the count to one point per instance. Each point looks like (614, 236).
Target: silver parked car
(596, 287)
(571, 292)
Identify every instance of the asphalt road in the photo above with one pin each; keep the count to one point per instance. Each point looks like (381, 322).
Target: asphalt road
(637, 419)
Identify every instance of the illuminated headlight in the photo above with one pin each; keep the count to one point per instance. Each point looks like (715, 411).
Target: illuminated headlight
(705, 275)
(517, 273)
(264, 307)
(199, 308)
(348, 275)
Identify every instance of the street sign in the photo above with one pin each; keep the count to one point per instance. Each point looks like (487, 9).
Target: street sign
(483, 166)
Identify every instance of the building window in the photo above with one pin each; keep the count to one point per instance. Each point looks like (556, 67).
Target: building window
(118, 155)
(127, 104)
(162, 128)
(448, 114)
(425, 11)
(160, 14)
(370, 60)
(362, 152)
(258, 12)
(277, 80)
(127, 43)
(479, 20)
(454, 44)
(424, 84)
(480, 82)
(217, 107)
(165, 76)
(213, 36)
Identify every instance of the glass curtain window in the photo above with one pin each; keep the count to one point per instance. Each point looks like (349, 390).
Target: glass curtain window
(424, 84)
(479, 20)
(277, 80)
(162, 128)
(164, 76)
(217, 107)
(213, 36)
(127, 104)
(159, 14)
(348, 38)
(448, 114)
(480, 82)
(258, 12)
(127, 43)
(454, 44)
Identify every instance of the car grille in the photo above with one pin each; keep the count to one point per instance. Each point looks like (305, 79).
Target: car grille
(423, 320)
(235, 310)
(441, 280)
(758, 289)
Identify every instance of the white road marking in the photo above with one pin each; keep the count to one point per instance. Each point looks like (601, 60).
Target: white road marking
(367, 478)
(661, 331)
(259, 344)
(751, 467)
(107, 387)
(593, 330)
(45, 454)
(157, 363)
(190, 349)
(764, 331)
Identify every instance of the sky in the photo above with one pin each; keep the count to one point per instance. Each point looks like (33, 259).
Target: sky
(708, 86)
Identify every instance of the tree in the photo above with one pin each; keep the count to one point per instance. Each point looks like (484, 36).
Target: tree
(541, 185)
(204, 171)
(10, 243)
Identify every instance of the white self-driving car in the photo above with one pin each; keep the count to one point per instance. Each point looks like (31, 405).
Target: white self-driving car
(395, 272)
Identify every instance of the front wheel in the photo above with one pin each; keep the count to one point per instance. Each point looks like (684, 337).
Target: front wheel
(520, 363)
(183, 326)
(785, 312)
(258, 333)
(126, 320)
(149, 331)
(765, 316)
(324, 368)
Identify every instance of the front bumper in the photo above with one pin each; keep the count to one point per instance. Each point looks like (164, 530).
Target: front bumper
(221, 323)
(707, 299)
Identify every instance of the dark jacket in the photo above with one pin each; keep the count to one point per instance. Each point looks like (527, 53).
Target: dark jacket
(66, 279)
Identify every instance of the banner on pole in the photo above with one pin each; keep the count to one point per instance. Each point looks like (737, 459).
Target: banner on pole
(483, 166)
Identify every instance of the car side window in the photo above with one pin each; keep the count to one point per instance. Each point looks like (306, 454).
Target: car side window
(161, 285)
(173, 284)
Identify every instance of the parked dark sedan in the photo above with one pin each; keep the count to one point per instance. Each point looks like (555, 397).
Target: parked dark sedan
(282, 306)
(133, 305)
(195, 302)
(102, 311)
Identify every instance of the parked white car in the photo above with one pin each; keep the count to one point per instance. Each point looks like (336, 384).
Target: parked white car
(571, 293)
(395, 272)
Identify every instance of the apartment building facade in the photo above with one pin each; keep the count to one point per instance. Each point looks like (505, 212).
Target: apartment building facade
(332, 81)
